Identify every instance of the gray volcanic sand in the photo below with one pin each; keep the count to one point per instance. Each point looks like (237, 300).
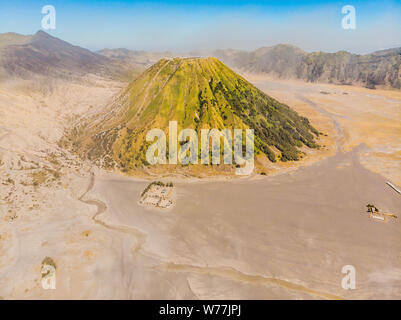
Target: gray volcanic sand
(276, 237)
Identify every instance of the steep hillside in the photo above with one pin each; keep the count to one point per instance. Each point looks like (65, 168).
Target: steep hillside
(198, 93)
(381, 68)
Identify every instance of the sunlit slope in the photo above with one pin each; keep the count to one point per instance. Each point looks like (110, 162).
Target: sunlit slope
(198, 93)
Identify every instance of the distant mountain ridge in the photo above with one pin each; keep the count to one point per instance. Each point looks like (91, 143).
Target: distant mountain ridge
(380, 68)
(41, 53)
(140, 58)
(46, 55)
(143, 58)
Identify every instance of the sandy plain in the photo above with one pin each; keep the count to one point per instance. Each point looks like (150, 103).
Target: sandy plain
(284, 236)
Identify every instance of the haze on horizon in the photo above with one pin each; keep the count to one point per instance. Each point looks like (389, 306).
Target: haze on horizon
(184, 26)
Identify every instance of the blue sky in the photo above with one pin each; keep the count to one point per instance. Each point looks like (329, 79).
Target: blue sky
(207, 25)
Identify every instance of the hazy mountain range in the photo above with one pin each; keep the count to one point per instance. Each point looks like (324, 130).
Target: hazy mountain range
(46, 55)
(142, 59)
(43, 54)
(380, 68)
(286, 61)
